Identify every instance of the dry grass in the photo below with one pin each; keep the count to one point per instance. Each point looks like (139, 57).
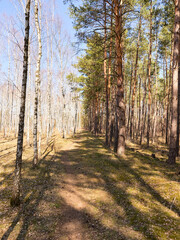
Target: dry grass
(82, 191)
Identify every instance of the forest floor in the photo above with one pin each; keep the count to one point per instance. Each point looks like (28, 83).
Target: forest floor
(82, 191)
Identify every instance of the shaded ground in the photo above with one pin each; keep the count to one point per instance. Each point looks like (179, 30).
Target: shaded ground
(82, 191)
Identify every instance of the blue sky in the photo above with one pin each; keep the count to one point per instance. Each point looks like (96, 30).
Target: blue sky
(7, 8)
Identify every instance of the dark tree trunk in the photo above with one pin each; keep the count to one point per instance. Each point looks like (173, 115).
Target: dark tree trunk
(15, 200)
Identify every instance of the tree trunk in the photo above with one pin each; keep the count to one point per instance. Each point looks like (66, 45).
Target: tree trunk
(130, 90)
(49, 84)
(143, 111)
(120, 87)
(170, 79)
(15, 200)
(37, 86)
(105, 76)
(167, 102)
(139, 115)
(135, 80)
(155, 100)
(174, 120)
(149, 77)
(29, 102)
(96, 115)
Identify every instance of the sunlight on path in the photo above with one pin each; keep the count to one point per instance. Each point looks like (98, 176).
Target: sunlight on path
(81, 191)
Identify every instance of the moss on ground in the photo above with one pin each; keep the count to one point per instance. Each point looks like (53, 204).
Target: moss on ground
(135, 197)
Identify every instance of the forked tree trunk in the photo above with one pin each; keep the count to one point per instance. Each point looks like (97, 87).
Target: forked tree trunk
(174, 120)
(15, 200)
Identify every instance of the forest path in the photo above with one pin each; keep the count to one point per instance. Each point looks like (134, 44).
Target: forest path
(82, 191)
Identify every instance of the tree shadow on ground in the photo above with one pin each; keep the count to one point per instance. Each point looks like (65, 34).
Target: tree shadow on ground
(113, 176)
(35, 187)
(119, 194)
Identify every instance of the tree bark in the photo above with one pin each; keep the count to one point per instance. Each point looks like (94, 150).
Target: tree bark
(139, 115)
(49, 84)
(143, 110)
(135, 80)
(105, 75)
(15, 200)
(29, 102)
(120, 88)
(155, 100)
(149, 77)
(130, 90)
(174, 120)
(37, 86)
(167, 101)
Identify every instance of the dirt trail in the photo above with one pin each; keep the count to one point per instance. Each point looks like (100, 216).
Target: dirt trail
(72, 225)
(81, 191)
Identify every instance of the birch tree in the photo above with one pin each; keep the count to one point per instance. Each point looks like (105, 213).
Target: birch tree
(37, 86)
(15, 199)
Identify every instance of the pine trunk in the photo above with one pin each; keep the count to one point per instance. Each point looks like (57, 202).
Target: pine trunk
(174, 119)
(120, 88)
(105, 76)
(149, 77)
(135, 80)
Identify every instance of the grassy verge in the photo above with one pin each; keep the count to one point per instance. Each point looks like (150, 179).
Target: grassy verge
(132, 198)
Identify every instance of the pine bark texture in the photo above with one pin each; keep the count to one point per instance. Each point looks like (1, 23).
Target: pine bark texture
(175, 118)
(120, 88)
